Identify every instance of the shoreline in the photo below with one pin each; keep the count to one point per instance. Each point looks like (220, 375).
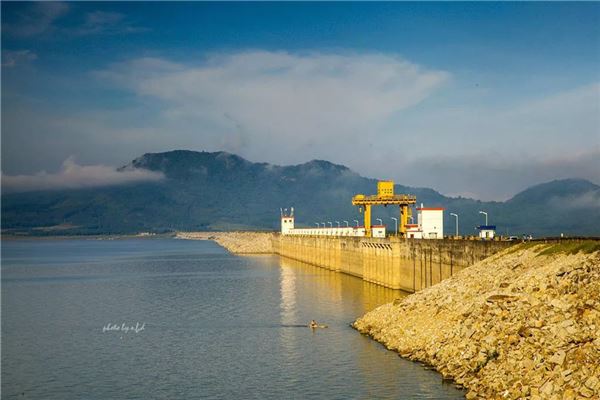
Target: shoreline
(176, 234)
(523, 323)
(87, 237)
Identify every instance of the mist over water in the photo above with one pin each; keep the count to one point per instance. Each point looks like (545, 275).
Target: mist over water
(164, 318)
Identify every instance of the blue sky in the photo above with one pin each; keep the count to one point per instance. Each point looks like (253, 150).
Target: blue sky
(477, 99)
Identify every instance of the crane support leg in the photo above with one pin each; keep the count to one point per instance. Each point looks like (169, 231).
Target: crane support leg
(403, 219)
(368, 220)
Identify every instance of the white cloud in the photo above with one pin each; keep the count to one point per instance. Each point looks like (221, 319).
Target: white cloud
(282, 104)
(586, 201)
(13, 58)
(496, 176)
(74, 176)
(379, 114)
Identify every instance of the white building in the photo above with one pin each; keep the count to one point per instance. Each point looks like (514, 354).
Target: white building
(359, 231)
(430, 221)
(413, 231)
(487, 231)
(287, 221)
(378, 231)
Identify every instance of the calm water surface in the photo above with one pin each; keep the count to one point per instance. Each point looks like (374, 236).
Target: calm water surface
(214, 326)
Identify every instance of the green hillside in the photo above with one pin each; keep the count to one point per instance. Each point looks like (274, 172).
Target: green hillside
(221, 191)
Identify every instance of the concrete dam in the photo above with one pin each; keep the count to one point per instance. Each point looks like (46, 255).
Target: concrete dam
(393, 262)
(416, 256)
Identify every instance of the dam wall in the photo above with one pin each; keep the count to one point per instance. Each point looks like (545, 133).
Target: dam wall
(406, 264)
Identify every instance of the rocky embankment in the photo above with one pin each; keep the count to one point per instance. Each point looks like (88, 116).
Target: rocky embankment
(235, 242)
(524, 323)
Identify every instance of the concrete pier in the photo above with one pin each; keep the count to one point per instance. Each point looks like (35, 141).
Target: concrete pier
(406, 264)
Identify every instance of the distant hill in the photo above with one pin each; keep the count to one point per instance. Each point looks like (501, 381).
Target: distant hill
(222, 191)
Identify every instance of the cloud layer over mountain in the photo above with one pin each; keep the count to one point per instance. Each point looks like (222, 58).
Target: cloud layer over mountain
(75, 176)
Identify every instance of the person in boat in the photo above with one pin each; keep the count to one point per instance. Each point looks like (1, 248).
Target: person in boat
(313, 324)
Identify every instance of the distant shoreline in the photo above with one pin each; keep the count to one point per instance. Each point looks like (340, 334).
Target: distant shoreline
(111, 236)
(88, 237)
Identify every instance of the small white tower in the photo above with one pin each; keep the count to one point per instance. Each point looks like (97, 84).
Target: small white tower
(287, 221)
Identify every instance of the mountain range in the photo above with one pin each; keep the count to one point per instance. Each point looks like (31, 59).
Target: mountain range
(222, 191)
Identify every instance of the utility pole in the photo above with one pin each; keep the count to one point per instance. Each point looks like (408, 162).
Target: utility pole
(455, 215)
(486, 216)
(396, 224)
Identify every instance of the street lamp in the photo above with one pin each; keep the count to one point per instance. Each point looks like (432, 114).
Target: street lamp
(380, 221)
(455, 215)
(330, 224)
(396, 223)
(318, 225)
(486, 215)
(338, 222)
(356, 222)
(323, 224)
(412, 220)
(347, 225)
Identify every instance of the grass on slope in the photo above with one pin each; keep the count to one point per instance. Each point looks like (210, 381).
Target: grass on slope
(567, 247)
(586, 246)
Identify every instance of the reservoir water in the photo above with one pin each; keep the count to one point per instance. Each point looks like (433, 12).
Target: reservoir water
(176, 319)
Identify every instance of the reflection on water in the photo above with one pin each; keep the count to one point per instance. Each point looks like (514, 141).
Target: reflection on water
(216, 326)
(288, 296)
(338, 290)
(289, 315)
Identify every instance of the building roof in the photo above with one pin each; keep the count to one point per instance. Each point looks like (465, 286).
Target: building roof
(487, 227)
(430, 209)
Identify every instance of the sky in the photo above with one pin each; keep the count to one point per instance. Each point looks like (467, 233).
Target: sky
(473, 99)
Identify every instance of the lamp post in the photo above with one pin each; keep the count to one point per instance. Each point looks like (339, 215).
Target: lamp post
(486, 216)
(338, 222)
(380, 221)
(347, 225)
(330, 224)
(396, 223)
(412, 220)
(323, 224)
(356, 222)
(318, 225)
(455, 215)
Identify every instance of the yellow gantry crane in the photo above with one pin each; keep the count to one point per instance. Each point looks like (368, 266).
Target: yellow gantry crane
(385, 196)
